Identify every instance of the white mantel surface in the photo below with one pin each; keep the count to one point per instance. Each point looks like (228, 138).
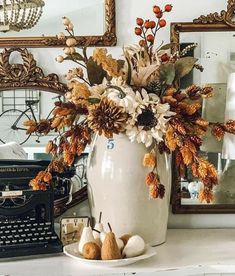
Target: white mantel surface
(186, 252)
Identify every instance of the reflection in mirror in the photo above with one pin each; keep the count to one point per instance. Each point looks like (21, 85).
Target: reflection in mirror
(80, 12)
(18, 106)
(27, 93)
(218, 61)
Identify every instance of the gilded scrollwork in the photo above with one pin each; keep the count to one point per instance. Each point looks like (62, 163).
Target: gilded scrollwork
(222, 17)
(26, 74)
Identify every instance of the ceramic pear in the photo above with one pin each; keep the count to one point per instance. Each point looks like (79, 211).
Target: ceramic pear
(86, 236)
(100, 228)
(134, 247)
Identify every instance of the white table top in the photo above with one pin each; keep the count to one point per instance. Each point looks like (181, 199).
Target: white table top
(186, 252)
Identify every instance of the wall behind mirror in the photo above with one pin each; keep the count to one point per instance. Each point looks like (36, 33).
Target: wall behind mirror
(93, 20)
(80, 12)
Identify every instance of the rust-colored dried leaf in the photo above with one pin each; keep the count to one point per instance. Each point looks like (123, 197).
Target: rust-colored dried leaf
(202, 168)
(171, 142)
(192, 108)
(190, 145)
(202, 122)
(218, 132)
(68, 158)
(179, 159)
(29, 123)
(56, 122)
(230, 126)
(60, 111)
(178, 126)
(206, 196)
(195, 170)
(187, 155)
(49, 146)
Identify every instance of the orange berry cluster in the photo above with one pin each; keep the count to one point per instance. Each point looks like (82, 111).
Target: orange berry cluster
(144, 27)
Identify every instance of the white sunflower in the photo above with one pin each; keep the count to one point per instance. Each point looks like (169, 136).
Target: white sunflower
(149, 120)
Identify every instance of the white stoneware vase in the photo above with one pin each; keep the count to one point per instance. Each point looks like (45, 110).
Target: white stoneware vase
(116, 187)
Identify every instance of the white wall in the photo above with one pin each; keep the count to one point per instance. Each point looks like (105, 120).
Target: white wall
(126, 13)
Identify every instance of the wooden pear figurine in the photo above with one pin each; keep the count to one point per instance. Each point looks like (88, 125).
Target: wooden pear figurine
(110, 250)
(86, 236)
(91, 251)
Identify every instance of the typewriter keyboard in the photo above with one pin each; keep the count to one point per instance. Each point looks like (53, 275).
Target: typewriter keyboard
(27, 237)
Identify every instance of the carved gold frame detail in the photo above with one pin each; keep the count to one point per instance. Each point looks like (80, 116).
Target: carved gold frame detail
(26, 74)
(107, 39)
(213, 22)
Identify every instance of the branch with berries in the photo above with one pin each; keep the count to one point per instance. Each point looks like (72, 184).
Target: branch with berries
(147, 29)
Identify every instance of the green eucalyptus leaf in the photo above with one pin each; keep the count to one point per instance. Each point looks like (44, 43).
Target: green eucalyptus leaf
(95, 72)
(77, 56)
(129, 72)
(167, 73)
(84, 54)
(120, 63)
(93, 100)
(167, 46)
(184, 66)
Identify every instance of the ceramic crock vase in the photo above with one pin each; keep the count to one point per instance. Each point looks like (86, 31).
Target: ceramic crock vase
(116, 187)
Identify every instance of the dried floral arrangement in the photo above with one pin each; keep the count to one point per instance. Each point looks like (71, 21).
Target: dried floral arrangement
(137, 96)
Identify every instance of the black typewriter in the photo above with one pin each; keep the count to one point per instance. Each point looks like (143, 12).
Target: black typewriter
(26, 216)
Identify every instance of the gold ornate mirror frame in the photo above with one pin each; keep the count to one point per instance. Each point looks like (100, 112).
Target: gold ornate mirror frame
(26, 74)
(213, 22)
(107, 39)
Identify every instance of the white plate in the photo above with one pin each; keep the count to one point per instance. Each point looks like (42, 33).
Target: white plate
(71, 251)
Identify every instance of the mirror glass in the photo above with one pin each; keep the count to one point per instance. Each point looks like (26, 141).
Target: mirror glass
(87, 16)
(17, 106)
(216, 53)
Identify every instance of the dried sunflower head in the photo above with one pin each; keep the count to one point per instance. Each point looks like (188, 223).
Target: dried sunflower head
(107, 118)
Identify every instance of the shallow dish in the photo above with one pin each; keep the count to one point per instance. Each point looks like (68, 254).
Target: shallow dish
(71, 251)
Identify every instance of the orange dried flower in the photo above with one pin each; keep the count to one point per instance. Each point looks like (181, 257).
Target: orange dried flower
(149, 160)
(47, 177)
(150, 177)
(153, 191)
